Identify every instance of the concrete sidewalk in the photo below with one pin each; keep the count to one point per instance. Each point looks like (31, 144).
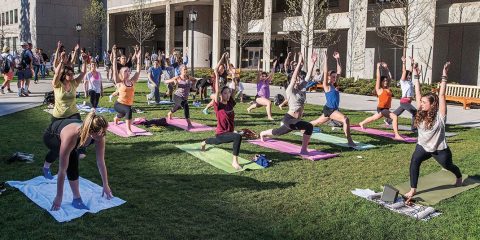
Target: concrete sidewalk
(456, 114)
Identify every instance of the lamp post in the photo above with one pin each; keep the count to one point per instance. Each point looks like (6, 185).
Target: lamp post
(192, 16)
(78, 27)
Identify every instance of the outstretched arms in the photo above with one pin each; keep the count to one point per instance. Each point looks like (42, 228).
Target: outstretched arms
(313, 60)
(442, 108)
(137, 56)
(294, 78)
(58, 70)
(80, 77)
(416, 80)
(404, 69)
(378, 90)
(336, 55)
(116, 79)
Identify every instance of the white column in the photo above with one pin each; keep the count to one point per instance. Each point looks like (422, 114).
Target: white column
(267, 34)
(169, 28)
(216, 33)
(356, 40)
(233, 34)
(422, 53)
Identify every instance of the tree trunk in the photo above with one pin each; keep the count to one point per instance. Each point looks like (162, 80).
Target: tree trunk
(240, 57)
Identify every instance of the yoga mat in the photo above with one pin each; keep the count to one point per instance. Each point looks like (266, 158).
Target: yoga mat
(438, 186)
(43, 191)
(292, 149)
(182, 123)
(408, 128)
(217, 157)
(342, 142)
(120, 130)
(381, 133)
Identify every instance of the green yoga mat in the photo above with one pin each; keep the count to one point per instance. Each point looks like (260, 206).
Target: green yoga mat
(217, 157)
(343, 142)
(438, 186)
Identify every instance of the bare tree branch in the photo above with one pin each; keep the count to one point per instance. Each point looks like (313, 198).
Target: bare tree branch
(139, 24)
(94, 17)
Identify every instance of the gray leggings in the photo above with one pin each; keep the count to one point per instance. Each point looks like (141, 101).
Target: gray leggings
(409, 107)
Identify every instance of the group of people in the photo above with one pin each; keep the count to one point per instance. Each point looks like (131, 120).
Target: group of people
(68, 135)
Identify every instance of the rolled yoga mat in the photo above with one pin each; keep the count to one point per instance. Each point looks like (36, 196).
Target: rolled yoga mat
(342, 142)
(408, 128)
(217, 157)
(435, 187)
(121, 130)
(182, 123)
(381, 133)
(292, 149)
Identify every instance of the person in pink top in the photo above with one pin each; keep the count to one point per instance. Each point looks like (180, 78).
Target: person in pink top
(263, 91)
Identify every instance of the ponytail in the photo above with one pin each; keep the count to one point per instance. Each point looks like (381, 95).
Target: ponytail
(93, 124)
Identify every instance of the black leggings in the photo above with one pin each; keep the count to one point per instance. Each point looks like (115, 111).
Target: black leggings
(94, 98)
(73, 116)
(123, 110)
(409, 107)
(290, 123)
(226, 138)
(181, 103)
(443, 157)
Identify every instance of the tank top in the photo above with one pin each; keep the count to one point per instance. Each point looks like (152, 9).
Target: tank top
(126, 94)
(65, 102)
(183, 88)
(296, 96)
(385, 99)
(333, 98)
(433, 139)
(263, 89)
(94, 81)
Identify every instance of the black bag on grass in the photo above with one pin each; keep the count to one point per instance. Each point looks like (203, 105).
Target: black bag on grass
(49, 98)
(278, 99)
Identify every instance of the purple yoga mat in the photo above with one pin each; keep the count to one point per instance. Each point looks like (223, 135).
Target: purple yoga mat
(381, 133)
(121, 131)
(292, 149)
(182, 123)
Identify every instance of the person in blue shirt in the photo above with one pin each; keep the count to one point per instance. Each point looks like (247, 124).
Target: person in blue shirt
(154, 74)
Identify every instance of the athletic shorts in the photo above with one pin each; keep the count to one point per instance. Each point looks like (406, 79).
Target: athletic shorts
(328, 111)
(384, 111)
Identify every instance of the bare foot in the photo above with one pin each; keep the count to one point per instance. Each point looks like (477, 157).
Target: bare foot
(304, 151)
(236, 165)
(459, 182)
(115, 120)
(130, 133)
(169, 115)
(190, 126)
(262, 137)
(411, 193)
(280, 106)
(399, 138)
(248, 110)
(361, 125)
(204, 144)
(271, 119)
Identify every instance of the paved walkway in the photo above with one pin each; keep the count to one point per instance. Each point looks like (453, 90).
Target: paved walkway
(10, 103)
(456, 114)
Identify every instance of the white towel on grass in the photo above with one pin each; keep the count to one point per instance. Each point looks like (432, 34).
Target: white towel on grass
(42, 192)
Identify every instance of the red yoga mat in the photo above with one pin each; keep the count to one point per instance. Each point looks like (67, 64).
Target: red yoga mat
(121, 130)
(182, 123)
(292, 149)
(381, 133)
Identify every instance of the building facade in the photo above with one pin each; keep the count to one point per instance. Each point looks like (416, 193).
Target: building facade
(43, 23)
(452, 34)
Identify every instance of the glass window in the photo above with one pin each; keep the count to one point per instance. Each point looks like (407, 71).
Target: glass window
(11, 16)
(179, 18)
(333, 3)
(16, 15)
(6, 17)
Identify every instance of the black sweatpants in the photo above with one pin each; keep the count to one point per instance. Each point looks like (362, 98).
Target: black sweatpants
(443, 157)
(227, 138)
(181, 103)
(409, 107)
(290, 123)
(94, 98)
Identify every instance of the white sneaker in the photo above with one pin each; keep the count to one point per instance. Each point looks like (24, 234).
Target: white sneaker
(110, 98)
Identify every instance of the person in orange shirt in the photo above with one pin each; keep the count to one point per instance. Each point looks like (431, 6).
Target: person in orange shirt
(382, 88)
(126, 89)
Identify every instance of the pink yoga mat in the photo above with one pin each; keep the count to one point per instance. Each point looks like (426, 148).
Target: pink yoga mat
(381, 133)
(292, 149)
(182, 123)
(121, 131)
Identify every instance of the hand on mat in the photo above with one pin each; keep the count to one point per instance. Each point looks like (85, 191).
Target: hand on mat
(107, 192)
(57, 203)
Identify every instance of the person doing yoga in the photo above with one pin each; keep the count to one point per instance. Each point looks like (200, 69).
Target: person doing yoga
(430, 122)
(184, 82)
(382, 88)
(223, 104)
(63, 138)
(222, 69)
(331, 110)
(406, 85)
(263, 91)
(296, 97)
(126, 89)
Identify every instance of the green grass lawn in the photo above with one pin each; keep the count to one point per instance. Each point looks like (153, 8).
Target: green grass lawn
(172, 195)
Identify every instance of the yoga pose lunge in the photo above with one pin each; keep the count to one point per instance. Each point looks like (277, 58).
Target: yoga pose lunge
(331, 108)
(63, 138)
(223, 104)
(406, 84)
(184, 82)
(93, 85)
(382, 88)
(430, 122)
(296, 97)
(126, 89)
(263, 91)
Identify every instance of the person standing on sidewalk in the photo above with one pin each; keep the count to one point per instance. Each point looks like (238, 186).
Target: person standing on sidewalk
(8, 68)
(36, 64)
(25, 70)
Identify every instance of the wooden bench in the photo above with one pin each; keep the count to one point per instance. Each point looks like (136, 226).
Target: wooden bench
(316, 87)
(465, 94)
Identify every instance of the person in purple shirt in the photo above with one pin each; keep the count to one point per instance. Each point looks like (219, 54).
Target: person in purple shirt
(263, 91)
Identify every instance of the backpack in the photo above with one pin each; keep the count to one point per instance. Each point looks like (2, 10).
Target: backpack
(49, 98)
(279, 98)
(261, 160)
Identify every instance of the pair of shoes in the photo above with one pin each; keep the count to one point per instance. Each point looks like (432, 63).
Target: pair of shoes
(2, 91)
(110, 98)
(9, 91)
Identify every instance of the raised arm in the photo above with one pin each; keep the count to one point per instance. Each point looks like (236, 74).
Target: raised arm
(57, 54)
(404, 69)
(378, 90)
(75, 54)
(442, 108)
(416, 80)
(116, 79)
(287, 61)
(313, 60)
(336, 55)
(80, 77)
(326, 86)
(58, 71)
(221, 60)
(172, 80)
(270, 77)
(137, 55)
(297, 70)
